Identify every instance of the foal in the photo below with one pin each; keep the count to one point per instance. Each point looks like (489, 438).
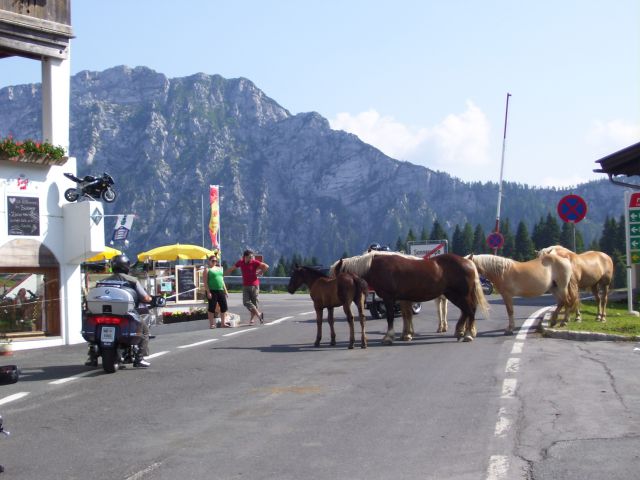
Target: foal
(329, 292)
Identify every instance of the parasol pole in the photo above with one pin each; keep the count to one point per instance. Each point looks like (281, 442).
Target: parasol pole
(504, 142)
(202, 217)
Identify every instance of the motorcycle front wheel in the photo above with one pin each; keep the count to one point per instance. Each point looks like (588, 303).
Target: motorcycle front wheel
(110, 360)
(109, 195)
(71, 195)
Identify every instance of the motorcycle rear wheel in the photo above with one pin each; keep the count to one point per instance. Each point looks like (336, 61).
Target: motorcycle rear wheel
(71, 195)
(110, 359)
(109, 195)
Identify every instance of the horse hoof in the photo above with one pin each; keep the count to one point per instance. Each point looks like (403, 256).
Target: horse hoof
(467, 338)
(350, 346)
(363, 346)
(317, 344)
(386, 341)
(508, 333)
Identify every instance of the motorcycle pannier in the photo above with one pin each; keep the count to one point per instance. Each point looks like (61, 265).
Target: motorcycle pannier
(112, 297)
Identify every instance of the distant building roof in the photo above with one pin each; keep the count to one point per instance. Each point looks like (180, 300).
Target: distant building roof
(623, 162)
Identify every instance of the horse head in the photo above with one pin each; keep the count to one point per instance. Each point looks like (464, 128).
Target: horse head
(296, 279)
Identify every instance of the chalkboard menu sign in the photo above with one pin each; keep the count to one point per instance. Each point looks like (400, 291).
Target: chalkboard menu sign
(23, 216)
(185, 284)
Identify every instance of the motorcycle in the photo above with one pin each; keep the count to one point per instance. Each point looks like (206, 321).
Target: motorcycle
(376, 306)
(487, 286)
(112, 323)
(92, 187)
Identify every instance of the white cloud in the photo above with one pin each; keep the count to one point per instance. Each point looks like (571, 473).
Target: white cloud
(607, 137)
(457, 143)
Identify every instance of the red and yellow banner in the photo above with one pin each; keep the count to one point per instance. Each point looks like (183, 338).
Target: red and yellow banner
(214, 222)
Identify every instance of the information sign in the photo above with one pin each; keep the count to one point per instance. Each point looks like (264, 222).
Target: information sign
(23, 216)
(633, 213)
(185, 284)
(427, 248)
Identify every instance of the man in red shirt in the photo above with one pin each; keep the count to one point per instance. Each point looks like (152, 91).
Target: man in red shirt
(250, 268)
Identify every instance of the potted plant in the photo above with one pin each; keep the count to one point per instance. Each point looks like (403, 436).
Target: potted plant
(6, 345)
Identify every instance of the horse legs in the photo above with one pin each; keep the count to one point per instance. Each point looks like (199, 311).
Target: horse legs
(333, 331)
(390, 335)
(603, 301)
(360, 304)
(318, 326)
(441, 307)
(407, 321)
(508, 303)
(347, 311)
(595, 290)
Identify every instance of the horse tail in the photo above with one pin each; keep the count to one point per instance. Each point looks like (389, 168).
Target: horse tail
(573, 296)
(478, 295)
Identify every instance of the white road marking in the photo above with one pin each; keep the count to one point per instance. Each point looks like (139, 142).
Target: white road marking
(231, 334)
(498, 467)
(198, 343)
(13, 398)
(142, 473)
(279, 320)
(513, 365)
(155, 355)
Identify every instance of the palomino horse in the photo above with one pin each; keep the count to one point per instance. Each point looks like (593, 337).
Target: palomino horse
(329, 292)
(407, 317)
(592, 270)
(529, 279)
(396, 277)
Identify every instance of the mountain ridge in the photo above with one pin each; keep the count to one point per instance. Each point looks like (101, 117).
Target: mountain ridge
(289, 184)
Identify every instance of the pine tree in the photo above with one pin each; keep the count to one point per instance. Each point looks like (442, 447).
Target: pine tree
(524, 249)
(552, 230)
(457, 241)
(566, 235)
(607, 239)
(509, 245)
(479, 241)
(424, 235)
(437, 232)
(467, 239)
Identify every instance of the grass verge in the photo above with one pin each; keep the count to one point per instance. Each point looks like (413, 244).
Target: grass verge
(619, 320)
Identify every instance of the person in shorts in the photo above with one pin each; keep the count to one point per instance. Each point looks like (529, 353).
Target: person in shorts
(216, 292)
(250, 268)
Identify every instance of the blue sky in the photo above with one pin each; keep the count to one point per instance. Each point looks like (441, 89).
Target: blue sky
(422, 80)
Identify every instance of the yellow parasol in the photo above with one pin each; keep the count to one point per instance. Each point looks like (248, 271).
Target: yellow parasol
(175, 252)
(108, 254)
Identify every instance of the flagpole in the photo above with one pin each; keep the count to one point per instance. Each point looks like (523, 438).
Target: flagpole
(202, 217)
(504, 141)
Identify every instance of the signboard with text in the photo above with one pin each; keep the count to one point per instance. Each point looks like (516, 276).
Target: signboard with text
(633, 215)
(428, 248)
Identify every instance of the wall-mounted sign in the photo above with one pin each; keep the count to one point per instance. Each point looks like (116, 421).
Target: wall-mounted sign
(23, 216)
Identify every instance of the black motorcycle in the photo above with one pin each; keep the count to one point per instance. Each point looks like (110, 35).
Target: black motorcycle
(112, 323)
(487, 286)
(92, 187)
(377, 308)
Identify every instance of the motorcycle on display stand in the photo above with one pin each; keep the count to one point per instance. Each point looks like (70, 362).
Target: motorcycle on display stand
(112, 323)
(93, 187)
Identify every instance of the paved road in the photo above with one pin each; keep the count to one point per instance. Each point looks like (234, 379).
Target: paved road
(263, 403)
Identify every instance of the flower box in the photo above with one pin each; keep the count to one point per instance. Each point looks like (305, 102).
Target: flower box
(185, 316)
(34, 158)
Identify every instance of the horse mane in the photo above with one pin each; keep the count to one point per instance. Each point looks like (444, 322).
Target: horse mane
(360, 264)
(493, 265)
(314, 271)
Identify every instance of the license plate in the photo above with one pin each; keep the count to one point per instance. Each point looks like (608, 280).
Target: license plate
(108, 334)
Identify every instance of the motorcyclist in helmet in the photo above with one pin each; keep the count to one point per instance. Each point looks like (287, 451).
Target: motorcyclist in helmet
(373, 246)
(120, 266)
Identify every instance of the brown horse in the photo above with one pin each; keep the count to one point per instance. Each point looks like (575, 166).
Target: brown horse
(329, 292)
(530, 279)
(397, 277)
(592, 270)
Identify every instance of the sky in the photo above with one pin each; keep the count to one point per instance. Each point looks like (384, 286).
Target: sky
(424, 81)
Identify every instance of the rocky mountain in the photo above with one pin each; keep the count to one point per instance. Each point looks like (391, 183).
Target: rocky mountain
(289, 184)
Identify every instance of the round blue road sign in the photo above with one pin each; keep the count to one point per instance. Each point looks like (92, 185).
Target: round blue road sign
(572, 208)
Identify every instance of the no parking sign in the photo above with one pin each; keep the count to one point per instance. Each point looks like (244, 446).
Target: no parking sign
(495, 240)
(572, 208)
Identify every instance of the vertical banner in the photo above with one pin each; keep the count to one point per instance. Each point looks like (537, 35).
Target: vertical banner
(214, 222)
(122, 227)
